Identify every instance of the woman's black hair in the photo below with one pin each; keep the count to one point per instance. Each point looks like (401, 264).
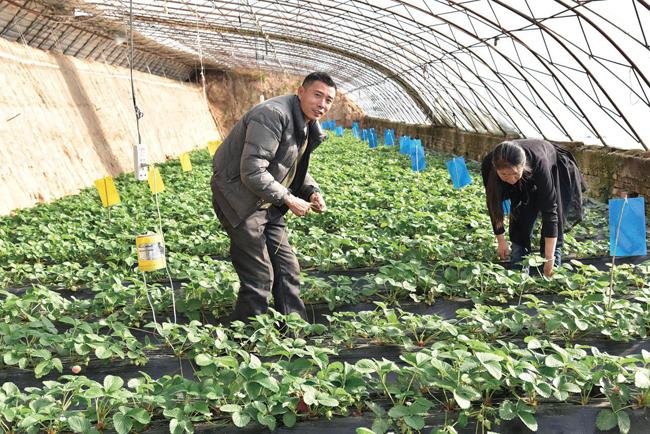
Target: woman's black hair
(507, 155)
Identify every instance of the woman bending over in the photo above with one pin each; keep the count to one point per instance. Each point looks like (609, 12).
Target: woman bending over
(536, 176)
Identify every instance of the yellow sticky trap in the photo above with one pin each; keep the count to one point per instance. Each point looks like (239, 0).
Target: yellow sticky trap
(213, 146)
(157, 183)
(107, 191)
(186, 163)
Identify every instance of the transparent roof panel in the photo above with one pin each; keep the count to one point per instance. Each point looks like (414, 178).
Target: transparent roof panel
(556, 69)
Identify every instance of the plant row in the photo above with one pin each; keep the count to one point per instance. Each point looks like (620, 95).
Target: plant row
(377, 213)
(463, 377)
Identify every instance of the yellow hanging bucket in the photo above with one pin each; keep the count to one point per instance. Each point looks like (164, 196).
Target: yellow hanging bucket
(151, 254)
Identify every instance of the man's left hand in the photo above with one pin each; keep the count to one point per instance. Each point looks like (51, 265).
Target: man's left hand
(318, 204)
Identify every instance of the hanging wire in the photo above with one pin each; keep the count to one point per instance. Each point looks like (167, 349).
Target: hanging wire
(162, 235)
(138, 113)
(631, 86)
(198, 40)
(611, 278)
(153, 311)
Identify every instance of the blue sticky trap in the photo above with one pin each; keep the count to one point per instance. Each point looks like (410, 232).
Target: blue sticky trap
(417, 156)
(355, 125)
(632, 236)
(355, 131)
(459, 173)
(411, 144)
(364, 135)
(389, 140)
(325, 125)
(506, 207)
(333, 125)
(405, 145)
(339, 131)
(373, 138)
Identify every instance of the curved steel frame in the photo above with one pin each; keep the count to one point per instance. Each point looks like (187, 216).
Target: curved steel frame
(556, 73)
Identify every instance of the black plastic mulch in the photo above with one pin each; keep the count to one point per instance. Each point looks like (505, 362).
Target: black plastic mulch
(552, 418)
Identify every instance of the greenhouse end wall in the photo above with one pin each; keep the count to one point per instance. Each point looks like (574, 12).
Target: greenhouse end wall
(232, 93)
(69, 122)
(610, 173)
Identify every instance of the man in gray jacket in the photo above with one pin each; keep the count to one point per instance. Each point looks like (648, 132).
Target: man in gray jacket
(260, 173)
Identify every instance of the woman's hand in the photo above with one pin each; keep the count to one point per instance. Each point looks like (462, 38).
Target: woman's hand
(503, 250)
(548, 267)
(549, 254)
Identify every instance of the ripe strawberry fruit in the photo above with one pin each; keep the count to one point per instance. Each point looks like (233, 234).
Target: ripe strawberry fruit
(302, 407)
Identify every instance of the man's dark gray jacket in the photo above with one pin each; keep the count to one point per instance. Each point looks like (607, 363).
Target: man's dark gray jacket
(258, 154)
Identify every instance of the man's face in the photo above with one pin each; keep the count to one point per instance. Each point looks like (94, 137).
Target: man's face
(316, 99)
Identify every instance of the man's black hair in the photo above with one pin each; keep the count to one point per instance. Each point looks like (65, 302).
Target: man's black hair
(318, 76)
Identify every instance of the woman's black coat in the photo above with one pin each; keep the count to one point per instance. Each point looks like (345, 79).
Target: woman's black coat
(553, 187)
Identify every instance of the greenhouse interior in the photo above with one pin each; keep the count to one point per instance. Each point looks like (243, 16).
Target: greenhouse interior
(332, 216)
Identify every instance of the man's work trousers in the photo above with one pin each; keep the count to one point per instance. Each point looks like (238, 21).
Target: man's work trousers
(262, 257)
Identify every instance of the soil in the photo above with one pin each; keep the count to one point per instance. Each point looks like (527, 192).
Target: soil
(560, 418)
(232, 93)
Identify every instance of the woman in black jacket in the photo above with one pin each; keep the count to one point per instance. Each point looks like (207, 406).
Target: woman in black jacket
(536, 176)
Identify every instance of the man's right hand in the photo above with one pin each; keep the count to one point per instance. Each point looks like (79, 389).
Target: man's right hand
(297, 206)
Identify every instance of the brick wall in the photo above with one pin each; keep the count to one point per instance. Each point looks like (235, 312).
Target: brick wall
(610, 173)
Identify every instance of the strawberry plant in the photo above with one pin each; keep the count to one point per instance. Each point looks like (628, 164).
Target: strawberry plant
(511, 344)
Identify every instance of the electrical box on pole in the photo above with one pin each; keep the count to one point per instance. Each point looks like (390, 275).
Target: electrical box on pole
(140, 162)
